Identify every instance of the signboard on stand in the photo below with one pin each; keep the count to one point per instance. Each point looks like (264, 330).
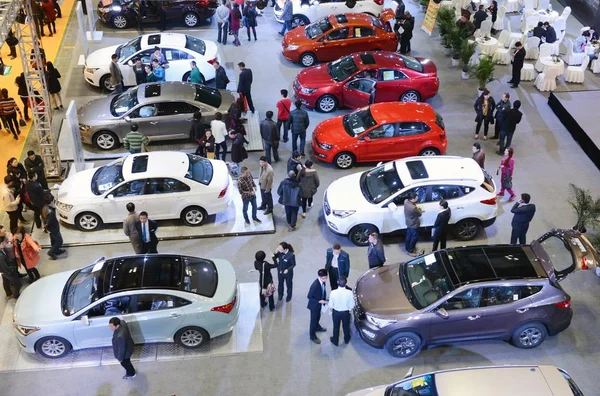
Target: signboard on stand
(430, 16)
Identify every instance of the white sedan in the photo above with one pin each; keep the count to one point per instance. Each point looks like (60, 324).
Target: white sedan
(167, 185)
(307, 11)
(178, 49)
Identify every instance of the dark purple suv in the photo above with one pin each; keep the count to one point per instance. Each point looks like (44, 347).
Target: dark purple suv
(507, 292)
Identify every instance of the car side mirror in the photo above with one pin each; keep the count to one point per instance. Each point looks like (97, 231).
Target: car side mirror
(127, 118)
(130, 63)
(367, 139)
(409, 373)
(85, 320)
(379, 164)
(110, 197)
(392, 206)
(442, 313)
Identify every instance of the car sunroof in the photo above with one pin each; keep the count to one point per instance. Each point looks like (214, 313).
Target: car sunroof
(417, 170)
(140, 164)
(154, 39)
(367, 59)
(152, 90)
(341, 18)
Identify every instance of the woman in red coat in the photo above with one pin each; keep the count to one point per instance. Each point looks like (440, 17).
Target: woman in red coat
(50, 11)
(27, 253)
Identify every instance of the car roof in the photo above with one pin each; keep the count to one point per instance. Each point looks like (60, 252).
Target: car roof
(156, 164)
(170, 39)
(402, 111)
(351, 19)
(441, 168)
(152, 92)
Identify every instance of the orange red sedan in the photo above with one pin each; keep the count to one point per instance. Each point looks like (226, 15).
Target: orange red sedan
(334, 36)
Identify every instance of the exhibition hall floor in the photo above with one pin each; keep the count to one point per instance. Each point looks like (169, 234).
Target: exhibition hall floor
(546, 160)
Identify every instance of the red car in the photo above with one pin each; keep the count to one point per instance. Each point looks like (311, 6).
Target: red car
(380, 132)
(362, 78)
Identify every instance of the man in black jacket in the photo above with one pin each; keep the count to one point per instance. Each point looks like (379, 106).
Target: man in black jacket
(523, 214)
(298, 123)
(35, 192)
(439, 227)
(509, 125)
(221, 79)
(146, 228)
(539, 31)
(122, 344)
(479, 16)
(517, 64)
(53, 228)
(270, 136)
(550, 33)
(11, 281)
(245, 84)
(295, 163)
(317, 297)
(289, 196)
(34, 163)
(375, 253)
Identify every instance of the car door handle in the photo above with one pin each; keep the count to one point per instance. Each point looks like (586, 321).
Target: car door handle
(474, 317)
(174, 315)
(522, 310)
(459, 207)
(153, 122)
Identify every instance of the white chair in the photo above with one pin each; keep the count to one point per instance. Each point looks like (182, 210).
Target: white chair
(576, 74)
(573, 58)
(566, 13)
(531, 22)
(584, 29)
(474, 61)
(499, 24)
(529, 5)
(527, 72)
(546, 49)
(503, 38)
(543, 4)
(547, 81)
(502, 56)
(513, 37)
(486, 28)
(512, 6)
(532, 47)
(595, 66)
(559, 25)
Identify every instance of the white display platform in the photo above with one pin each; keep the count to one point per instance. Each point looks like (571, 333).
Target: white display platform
(246, 337)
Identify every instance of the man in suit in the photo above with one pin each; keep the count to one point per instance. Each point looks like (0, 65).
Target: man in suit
(116, 77)
(440, 225)
(513, 117)
(11, 280)
(36, 197)
(550, 33)
(523, 214)
(517, 64)
(245, 84)
(479, 16)
(375, 253)
(35, 163)
(146, 228)
(130, 230)
(337, 265)
(122, 344)
(539, 31)
(317, 297)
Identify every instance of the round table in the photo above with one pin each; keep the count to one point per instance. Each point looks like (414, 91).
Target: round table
(487, 47)
(545, 63)
(546, 16)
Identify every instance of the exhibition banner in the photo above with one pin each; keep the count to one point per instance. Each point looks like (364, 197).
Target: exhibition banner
(430, 16)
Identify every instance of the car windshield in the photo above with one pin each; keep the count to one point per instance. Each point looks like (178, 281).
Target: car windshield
(380, 183)
(107, 176)
(124, 102)
(412, 63)
(208, 95)
(342, 68)
(318, 28)
(200, 277)
(200, 169)
(425, 280)
(195, 44)
(359, 121)
(81, 289)
(420, 386)
(126, 50)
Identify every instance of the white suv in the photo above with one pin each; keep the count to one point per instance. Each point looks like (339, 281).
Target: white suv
(371, 201)
(307, 11)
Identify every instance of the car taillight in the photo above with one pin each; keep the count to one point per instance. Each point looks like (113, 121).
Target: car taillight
(211, 61)
(223, 192)
(225, 308)
(204, 3)
(564, 304)
(378, 2)
(491, 201)
(584, 265)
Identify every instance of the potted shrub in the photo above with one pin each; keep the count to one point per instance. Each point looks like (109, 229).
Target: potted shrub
(587, 209)
(484, 72)
(456, 41)
(466, 52)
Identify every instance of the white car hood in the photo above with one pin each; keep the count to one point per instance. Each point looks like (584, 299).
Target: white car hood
(100, 58)
(345, 194)
(77, 187)
(40, 302)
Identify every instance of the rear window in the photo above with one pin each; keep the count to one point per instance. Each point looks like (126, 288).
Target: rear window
(163, 271)
(200, 277)
(412, 63)
(440, 121)
(367, 59)
(318, 28)
(207, 95)
(199, 170)
(488, 182)
(195, 44)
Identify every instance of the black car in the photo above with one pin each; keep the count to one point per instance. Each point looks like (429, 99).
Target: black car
(125, 13)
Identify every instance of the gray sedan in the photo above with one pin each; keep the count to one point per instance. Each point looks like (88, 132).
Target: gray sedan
(163, 111)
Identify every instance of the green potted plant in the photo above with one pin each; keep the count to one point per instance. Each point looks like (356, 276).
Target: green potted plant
(587, 209)
(424, 4)
(456, 41)
(466, 52)
(484, 71)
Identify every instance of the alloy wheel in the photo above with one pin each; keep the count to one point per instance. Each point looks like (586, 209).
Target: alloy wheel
(530, 336)
(120, 22)
(191, 338)
(360, 236)
(327, 104)
(410, 96)
(307, 60)
(53, 347)
(428, 153)
(467, 230)
(344, 160)
(404, 346)
(88, 222)
(194, 216)
(190, 20)
(105, 141)
(298, 21)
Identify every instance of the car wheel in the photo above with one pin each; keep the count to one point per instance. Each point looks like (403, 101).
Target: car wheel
(191, 337)
(529, 335)
(344, 160)
(193, 216)
(88, 221)
(308, 59)
(119, 22)
(410, 96)
(299, 20)
(105, 83)
(359, 235)
(190, 19)
(327, 104)
(429, 152)
(186, 77)
(467, 229)
(403, 345)
(106, 140)
(53, 347)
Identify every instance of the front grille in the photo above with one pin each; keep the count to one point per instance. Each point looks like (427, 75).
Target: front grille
(296, 85)
(326, 205)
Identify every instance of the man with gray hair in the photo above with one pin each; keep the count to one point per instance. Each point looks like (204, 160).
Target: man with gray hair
(289, 196)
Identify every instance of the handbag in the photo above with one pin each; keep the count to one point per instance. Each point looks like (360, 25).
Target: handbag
(270, 289)
(21, 16)
(245, 102)
(507, 182)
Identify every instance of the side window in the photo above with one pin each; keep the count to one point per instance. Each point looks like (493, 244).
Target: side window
(128, 189)
(499, 295)
(114, 306)
(467, 189)
(154, 302)
(390, 75)
(363, 32)
(173, 55)
(421, 193)
(384, 131)
(164, 186)
(144, 112)
(445, 192)
(418, 386)
(468, 299)
(145, 56)
(371, 73)
(339, 34)
(173, 108)
(528, 291)
(412, 128)
(362, 84)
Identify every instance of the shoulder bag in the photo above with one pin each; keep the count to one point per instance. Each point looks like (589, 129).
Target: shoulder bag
(270, 290)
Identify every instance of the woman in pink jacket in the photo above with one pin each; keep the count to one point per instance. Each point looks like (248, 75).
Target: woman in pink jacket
(506, 169)
(27, 253)
(236, 20)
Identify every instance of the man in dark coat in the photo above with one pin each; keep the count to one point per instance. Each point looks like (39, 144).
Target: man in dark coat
(523, 214)
(502, 106)
(295, 163)
(550, 33)
(270, 136)
(35, 192)
(479, 16)
(337, 264)
(221, 79)
(289, 196)
(375, 253)
(11, 280)
(53, 228)
(439, 227)
(517, 64)
(298, 123)
(122, 344)
(512, 118)
(539, 31)
(317, 297)
(146, 228)
(35, 163)
(245, 85)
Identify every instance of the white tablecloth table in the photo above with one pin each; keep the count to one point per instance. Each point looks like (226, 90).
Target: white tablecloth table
(487, 47)
(546, 16)
(545, 63)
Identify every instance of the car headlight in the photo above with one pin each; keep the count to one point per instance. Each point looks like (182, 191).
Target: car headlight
(26, 330)
(91, 70)
(380, 323)
(325, 146)
(292, 47)
(84, 127)
(308, 91)
(64, 206)
(116, 8)
(343, 213)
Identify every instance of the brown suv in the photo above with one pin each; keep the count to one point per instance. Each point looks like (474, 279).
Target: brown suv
(507, 292)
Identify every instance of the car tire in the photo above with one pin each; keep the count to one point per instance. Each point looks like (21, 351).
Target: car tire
(403, 345)
(191, 19)
(105, 140)
(359, 234)
(105, 83)
(53, 347)
(193, 216)
(88, 221)
(344, 160)
(119, 22)
(308, 59)
(186, 77)
(529, 335)
(327, 104)
(191, 337)
(467, 229)
(429, 152)
(410, 96)
(299, 20)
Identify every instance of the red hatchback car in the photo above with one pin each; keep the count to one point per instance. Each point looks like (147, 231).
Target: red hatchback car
(362, 78)
(380, 132)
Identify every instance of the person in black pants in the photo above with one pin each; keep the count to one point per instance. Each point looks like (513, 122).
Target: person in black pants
(122, 344)
(440, 225)
(317, 297)
(375, 251)
(23, 94)
(265, 278)
(53, 227)
(523, 212)
(35, 192)
(10, 274)
(517, 64)
(341, 303)
(286, 261)
(146, 229)
(245, 84)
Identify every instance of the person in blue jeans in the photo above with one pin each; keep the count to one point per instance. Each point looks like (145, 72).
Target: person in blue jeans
(298, 123)
(287, 16)
(247, 189)
(412, 214)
